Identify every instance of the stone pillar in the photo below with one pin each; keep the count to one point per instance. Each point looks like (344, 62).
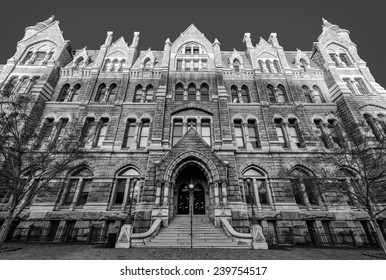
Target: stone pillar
(198, 95)
(166, 194)
(184, 128)
(69, 95)
(224, 193)
(126, 196)
(216, 194)
(158, 194)
(32, 59)
(287, 142)
(63, 195)
(47, 57)
(269, 194)
(256, 194)
(76, 195)
(136, 132)
(246, 133)
(185, 93)
(199, 130)
(240, 96)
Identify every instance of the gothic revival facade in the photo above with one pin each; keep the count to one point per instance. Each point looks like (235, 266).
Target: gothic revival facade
(193, 114)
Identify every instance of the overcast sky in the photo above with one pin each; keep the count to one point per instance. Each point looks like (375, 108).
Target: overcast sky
(297, 23)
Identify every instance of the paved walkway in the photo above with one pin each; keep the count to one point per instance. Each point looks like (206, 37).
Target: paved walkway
(39, 251)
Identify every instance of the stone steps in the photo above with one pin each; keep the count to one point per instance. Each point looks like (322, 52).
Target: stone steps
(205, 235)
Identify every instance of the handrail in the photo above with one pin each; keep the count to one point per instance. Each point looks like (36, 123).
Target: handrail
(154, 227)
(234, 233)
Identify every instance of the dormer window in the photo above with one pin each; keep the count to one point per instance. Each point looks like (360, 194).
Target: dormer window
(196, 50)
(188, 50)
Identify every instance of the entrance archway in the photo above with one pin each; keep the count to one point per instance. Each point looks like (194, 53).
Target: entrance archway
(193, 200)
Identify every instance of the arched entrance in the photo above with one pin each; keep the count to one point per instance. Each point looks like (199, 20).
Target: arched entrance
(192, 194)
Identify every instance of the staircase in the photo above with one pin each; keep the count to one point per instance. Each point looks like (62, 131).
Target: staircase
(205, 235)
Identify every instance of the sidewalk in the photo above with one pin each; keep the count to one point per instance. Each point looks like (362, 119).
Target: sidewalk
(39, 251)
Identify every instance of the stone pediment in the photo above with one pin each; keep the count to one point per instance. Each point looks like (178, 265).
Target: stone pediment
(118, 49)
(263, 43)
(192, 34)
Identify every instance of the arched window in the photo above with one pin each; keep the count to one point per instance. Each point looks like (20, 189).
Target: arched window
(126, 189)
(144, 135)
(179, 96)
(149, 94)
(60, 129)
(334, 59)
(78, 63)
(234, 94)
(65, 90)
(307, 94)
(23, 84)
(205, 131)
(129, 136)
(361, 86)
(303, 188)
(27, 57)
(115, 65)
(348, 182)
(344, 58)
(294, 133)
(261, 65)
(256, 189)
(374, 129)
(107, 65)
(336, 132)
(121, 65)
(101, 132)
(318, 97)
(88, 132)
(245, 94)
(253, 134)
(191, 92)
(322, 132)
(112, 92)
(75, 93)
(303, 64)
(77, 189)
(236, 65)
(100, 94)
(39, 56)
(239, 134)
(271, 94)
(277, 66)
(46, 130)
(138, 94)
(204, 92)
(281, 133)
(281, 94)
(177, 131)
(268, 65)
(10, 86)
(147, 64)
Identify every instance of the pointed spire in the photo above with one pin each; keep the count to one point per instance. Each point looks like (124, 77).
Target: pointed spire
(216, 42)
(167, 42)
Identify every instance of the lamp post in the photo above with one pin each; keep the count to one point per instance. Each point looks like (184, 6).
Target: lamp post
(129, 220)
(191, 189)
(254, 219)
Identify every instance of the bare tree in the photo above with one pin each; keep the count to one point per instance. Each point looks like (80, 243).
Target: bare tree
(31, 155)
(348, 167)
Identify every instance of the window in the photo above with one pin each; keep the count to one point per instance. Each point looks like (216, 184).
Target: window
(204, 92)
(192, 123)
(121, 65)
(253, 135)
(28, 56)
(374, 129)
(177, 131)
(236, 65)
(307, 94)
(277, 66)
(318, 97)
(334, 59)
(126, 189)
(255, 187)
(280, 133)
(60, 129)
(129, 136)
(382, 122)
(77, 63)
(39, 57)
(187, 65)
(144, 135)
(303, 64)
(100, 93)
(149, 94)
(75, 93)
(293, 132)
(46, 130)
(196, 50)
(234, 94)
(179, 65)
(188, 50)
(261, 65)
(195, 65)
(323, 137)
(205, 131)
(79, 182)
(335, 132)
(179, 93)
(10, 86)
(349, 85)
(271, 94)
(64, 93)
(101, 132)
(239, 135)
(281, 94)
(303, 187)
(268, 65)
(191, 93)
(147, 65)
(138, 94)
(204, 64)
(112, 92)
(361, 86)
(343, 57)
(107, 65)
(88, 131)
(245, 94)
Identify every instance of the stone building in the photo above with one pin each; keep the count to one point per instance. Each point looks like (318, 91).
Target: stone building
(193, 114)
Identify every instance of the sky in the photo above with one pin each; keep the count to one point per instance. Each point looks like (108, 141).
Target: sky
(297, 23)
